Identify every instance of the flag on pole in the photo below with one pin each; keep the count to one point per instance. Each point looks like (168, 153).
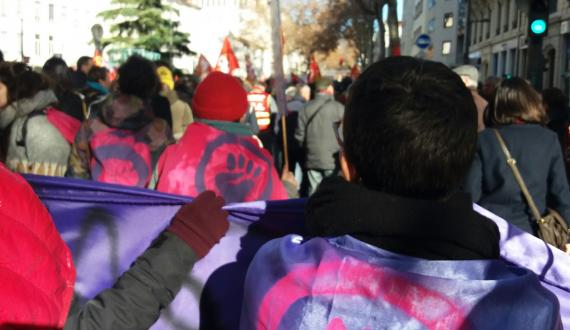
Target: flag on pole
(227, 62)
(203, 68)
(314, 70)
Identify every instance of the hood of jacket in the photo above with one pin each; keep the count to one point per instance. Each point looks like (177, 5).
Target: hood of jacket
(436, 230)
(24, 107)
(126, 112)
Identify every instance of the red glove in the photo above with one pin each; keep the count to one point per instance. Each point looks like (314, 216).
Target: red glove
(201, 223)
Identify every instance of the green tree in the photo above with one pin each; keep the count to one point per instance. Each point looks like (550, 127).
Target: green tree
(145, 24)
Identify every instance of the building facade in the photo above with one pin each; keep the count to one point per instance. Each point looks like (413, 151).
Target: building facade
(499, 41)
(443, 21)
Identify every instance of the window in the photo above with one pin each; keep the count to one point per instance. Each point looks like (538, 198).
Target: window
(481, 28)
(51, 12)
(431, 4)
(419, 8)
(431, 25)
(488, 29)
(448, 20)
(446, 48)
(37, 45)
(37, 11)
(499, 17)
(50, 45)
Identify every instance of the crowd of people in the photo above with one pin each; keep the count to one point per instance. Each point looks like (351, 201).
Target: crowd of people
(393, 160)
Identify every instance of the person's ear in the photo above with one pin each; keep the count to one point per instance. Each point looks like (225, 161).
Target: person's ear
(348, 170)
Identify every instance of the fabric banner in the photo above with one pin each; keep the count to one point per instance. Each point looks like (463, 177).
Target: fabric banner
(108, 226)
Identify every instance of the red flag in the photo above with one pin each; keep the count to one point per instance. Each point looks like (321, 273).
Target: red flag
(203, 68)
(314, 70)
(227, 62)
(354, 72)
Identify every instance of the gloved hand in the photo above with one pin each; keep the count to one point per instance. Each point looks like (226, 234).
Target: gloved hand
(201, 223)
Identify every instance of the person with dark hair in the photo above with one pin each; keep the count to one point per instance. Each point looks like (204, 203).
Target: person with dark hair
(394, 242)
(1, 57)
(97, 88)
(60, 77)
(79, 76)
(519, 116)
(123, 139)
(315, 134)
(31, 118)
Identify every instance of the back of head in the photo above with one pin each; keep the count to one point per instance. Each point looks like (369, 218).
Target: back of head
(59, 74)
(322, 84)
(83, 61)
(137, 77)
(97, 73)
(21, 81)
(220, 97)
(516, 100)
(410, 128)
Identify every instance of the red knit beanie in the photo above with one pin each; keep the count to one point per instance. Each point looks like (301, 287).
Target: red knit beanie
(220, 97)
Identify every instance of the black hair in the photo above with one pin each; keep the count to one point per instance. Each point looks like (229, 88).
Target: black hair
(83, 60)
(410, 128)
(21, 81)
(1, 57)
(97, 73)
(137, 76)
(556, 103)
(59, 74)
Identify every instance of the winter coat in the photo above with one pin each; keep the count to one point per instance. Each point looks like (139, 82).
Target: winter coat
(222, 157)
(181, 114)
(35, 145)
(316, 133)
(376, 261)
(539, 158)
(36, 269)
(121, 144)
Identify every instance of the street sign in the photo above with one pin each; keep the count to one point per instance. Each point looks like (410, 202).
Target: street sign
(423, 41)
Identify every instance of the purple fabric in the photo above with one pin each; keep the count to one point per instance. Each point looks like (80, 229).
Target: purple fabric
(108, 226)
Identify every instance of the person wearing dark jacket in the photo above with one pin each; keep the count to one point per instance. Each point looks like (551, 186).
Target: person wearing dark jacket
(388, 243)
(79, 76)
(519, 116)
(316, 135)
(98, 86)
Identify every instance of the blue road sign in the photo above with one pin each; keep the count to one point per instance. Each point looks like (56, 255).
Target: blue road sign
(423, 41)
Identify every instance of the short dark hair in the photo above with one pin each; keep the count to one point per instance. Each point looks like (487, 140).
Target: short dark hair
(97, 73)
(1, 57)
(59, 74)
(21, 81)
(137, 76)
(516, 100)
(556, 103)
(83, 60)
(410, 128)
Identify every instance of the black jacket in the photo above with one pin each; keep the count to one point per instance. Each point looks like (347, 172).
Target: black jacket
(137, 298)
(537, 151)
(315, 131)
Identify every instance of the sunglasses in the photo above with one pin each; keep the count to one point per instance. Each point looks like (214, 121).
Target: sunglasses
(337, 127)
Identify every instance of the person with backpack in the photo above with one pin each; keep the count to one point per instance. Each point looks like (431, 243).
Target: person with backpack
(123, 141)
(37, 133)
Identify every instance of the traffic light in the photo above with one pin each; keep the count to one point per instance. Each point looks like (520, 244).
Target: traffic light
(538, 18)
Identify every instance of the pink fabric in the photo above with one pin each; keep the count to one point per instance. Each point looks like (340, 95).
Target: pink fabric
(67, 125)
(234, 167)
